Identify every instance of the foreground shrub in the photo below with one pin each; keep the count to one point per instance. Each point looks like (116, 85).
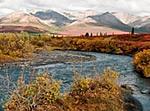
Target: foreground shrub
(142, 62)
(99, 93)
(40, 95)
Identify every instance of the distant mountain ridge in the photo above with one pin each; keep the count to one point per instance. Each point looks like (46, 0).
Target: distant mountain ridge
(107, 19)
(74, 23)
(58, 19)
(126, 18)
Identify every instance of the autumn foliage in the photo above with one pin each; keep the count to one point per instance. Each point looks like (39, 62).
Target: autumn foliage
(116, 44)
(15, 45)
(97, 94)
(40, 95)
(21, 45)
(142, 62)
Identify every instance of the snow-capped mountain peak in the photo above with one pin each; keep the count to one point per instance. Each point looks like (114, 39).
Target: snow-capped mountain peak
(126, 18)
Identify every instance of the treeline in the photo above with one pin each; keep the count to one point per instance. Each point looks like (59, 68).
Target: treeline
(106, 45)
(22, 44)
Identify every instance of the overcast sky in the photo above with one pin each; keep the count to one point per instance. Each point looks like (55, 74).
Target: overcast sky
(138, 7)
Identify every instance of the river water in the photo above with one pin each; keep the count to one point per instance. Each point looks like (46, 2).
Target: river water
(122, 64)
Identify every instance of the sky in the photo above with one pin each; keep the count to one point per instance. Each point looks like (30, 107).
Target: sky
(137, 7)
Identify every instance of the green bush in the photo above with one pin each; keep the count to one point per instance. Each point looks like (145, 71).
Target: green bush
(40, 43)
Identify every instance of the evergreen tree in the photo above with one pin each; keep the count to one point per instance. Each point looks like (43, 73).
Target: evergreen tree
(97, 34)
(91, 35)
(101, 34)
(132, 31)
(87, 34)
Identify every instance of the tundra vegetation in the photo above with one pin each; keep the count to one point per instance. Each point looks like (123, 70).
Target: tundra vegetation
(14, 46)
(142, 62)
(99, 93)
(22, 45)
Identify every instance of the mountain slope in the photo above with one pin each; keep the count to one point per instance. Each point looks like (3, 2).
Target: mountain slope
(80, 15)
(21, 21)
(80, 27)
(18, 18)
(142, 24)
(108, 20)
(18, 28)
(52, 17)
(126, 18)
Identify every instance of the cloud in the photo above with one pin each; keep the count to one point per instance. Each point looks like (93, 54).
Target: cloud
(1, 1)
(129, 6)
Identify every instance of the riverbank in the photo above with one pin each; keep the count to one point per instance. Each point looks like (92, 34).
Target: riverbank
(44, 57)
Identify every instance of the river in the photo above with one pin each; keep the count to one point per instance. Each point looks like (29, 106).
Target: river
(122, 64)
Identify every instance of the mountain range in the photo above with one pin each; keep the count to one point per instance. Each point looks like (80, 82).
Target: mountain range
(73, 23)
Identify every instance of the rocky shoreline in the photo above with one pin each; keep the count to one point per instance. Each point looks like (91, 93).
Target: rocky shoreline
(132, 104)
(50, 57)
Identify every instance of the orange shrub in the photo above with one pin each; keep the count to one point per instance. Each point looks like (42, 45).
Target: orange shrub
(15, 45)
(142, 62)
(117, 44)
